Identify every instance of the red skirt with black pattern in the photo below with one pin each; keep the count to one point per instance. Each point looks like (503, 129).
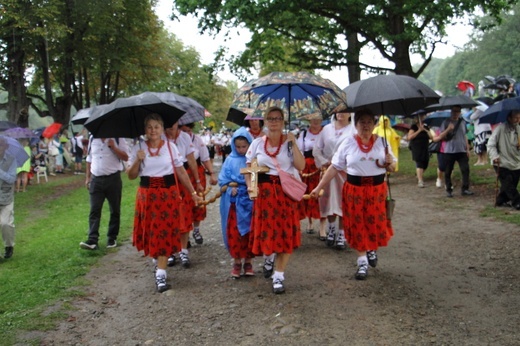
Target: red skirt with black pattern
(364, 216)
(311, 206)
(157, 221)
(275, 224)
(238, 244)
(199, 212)
(187, 205)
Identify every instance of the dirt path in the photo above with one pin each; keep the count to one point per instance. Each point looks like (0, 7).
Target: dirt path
(449, 277)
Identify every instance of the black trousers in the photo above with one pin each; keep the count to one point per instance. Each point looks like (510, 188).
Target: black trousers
(107, 187)
(463, 161)
(508, 185)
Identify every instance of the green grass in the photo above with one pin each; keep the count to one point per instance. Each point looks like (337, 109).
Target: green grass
(48, 267)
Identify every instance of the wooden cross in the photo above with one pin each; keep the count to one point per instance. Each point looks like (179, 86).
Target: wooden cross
(254, 170)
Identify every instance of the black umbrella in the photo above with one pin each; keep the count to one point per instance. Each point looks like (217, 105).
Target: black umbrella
(236, 116)
(125, 117)
(390, 95)
(446, 102)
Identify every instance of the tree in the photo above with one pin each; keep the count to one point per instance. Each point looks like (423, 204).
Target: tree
(321, 29)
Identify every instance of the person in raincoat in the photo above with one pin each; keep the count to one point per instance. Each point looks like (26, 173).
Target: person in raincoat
(235, 205)
(384, 130)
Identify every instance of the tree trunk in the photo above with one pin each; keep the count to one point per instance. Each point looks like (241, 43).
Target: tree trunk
(17, 102)
(353, 49)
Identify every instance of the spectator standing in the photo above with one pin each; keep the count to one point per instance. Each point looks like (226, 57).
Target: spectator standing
(22, 173)
(7, 180)
(103, 180)
(504, 153)
(419, 136)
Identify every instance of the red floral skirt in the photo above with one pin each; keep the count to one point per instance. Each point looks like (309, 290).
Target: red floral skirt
(238, 244)
(186, 206)
(199, 213)
(275, 224)
(157, 221)
(364, 216)
(311, 206)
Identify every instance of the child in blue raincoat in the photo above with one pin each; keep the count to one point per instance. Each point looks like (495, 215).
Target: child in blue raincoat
(235, 206)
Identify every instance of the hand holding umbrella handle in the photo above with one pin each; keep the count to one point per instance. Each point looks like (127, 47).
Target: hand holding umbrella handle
(385, 164)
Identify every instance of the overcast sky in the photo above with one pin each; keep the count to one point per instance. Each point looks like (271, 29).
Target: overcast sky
(186, 30)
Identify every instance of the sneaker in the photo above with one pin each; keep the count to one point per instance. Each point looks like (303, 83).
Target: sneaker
(88, 245)
(420, 184)
(197, 236)
(236, 271)
(340, 243)
(268, 269)
(362, 272)
(8, 252)
(449, 194)
(438, 183)
(331, 237)
(111, 243)
(160, 282)
(248, 269)
(278, 287)
(372, 258)
(171, 260)
(467, 193)
(185, 260)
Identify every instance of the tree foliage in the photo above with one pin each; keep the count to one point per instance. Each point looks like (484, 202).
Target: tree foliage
(329, 34)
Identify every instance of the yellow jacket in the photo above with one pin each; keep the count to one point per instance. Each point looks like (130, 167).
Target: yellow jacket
(385, 130)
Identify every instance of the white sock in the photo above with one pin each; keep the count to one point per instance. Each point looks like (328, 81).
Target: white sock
(160, 273)
(269, 258)
(154, 261)
(278, 275)
(341, 234)
(185, 251)
(362, 260)
(332, 228)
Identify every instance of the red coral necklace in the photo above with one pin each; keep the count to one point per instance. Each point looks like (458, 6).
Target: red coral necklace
(277, 149)
(156, 153)
(365, 147)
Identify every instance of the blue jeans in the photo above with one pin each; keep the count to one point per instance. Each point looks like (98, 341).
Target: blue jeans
(107, 187)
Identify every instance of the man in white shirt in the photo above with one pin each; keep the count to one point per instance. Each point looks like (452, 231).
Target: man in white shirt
(103, 179)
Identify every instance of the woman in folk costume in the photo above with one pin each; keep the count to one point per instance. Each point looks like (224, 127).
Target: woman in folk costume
(275, 225)
(366, 161)
(384, 129)
(330, 203)
(186, 149)
(311, 173)
(201, 155)
(255, 126)
(157, 219)
(235, 205)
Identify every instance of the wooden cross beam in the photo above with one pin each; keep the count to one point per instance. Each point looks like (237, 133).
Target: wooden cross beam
(254, 170)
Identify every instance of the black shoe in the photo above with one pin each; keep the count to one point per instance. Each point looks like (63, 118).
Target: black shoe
(449, 194)
(8, 252)
(372, 258)
(467, 193)
(504, 204)
(88, 245)
(160, 283)
(171, 261)
(362, 272)
(322, 238)
(331, 238)
(185, 260)
(112, 243)
(278, 287)
(516, 206)
(268, 269)
(197, 236)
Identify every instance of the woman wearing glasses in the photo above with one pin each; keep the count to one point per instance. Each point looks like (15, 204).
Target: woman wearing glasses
(275, 224)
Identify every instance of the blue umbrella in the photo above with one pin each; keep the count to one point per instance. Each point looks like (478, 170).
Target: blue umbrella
(498, 112)
(4, 125)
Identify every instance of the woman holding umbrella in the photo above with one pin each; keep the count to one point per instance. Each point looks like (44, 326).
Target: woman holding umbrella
(157, 220)
(275, 224)
(365, 159)
(419, 137)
